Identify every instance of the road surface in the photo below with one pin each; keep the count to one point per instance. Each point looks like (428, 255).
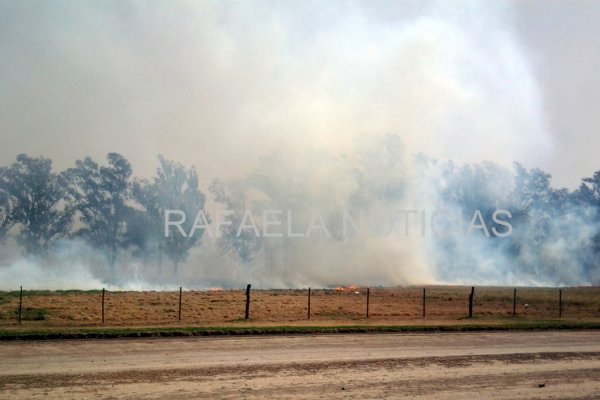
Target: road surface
(516, 365)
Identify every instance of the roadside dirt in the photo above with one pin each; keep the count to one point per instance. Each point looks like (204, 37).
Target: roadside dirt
(519, 365)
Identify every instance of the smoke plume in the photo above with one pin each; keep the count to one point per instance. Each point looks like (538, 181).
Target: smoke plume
(342, 109)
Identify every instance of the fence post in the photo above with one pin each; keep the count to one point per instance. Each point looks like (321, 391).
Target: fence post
(102, 305)
(248, 301)
(179, 315)
(514, 303)
(20, 305)
(424, 302)
(559, 303)
(368, 296)
(309, 303)
(471, 301)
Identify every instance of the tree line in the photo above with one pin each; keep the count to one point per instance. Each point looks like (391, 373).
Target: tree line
(104, 205)
(556, 231)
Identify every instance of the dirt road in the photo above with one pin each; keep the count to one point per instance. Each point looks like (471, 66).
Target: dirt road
(516, 365)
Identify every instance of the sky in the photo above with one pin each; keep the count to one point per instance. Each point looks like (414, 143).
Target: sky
(220, 84)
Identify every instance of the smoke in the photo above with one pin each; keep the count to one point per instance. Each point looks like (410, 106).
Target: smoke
(217, 86)
(385, 217)
(421, 221)
(289, 105)
(68, 268)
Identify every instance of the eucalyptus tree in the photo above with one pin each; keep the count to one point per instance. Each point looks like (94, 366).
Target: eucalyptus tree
(174, 189)
(37, 200)
(102, 196)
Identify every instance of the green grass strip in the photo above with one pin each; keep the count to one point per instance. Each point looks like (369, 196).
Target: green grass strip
(114, 333)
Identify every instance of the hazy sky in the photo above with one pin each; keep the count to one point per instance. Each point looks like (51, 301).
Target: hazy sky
(217, 84)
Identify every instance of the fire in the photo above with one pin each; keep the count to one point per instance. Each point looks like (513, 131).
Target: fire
(215, 289)
(350, 288)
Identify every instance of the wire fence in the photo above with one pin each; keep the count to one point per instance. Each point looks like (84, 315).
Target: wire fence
(121, 308)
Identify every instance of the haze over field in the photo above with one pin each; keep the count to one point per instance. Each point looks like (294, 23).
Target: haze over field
(365, 107)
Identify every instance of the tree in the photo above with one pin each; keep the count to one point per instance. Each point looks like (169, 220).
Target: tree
(173, 188)
(532, 188)
(538, 205)
(6, 204)
(246, 244)
(589, 191)
(587, 198)
(37, 199)
(101, 196)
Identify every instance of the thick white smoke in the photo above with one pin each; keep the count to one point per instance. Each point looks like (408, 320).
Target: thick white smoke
(313, 89)
(217, 86)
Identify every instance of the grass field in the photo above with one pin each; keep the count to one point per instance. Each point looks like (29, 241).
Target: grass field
(329, 307)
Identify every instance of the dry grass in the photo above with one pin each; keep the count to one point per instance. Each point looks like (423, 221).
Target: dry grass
(328, 306)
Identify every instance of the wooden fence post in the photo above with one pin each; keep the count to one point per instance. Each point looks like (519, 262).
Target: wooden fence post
(248, 301)
(20, 305)
(471, 302)
(559, 303)
(514, 303)
(309, 303)
(179, 315)
(368, 296)
(424, 296)
(102, 305)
